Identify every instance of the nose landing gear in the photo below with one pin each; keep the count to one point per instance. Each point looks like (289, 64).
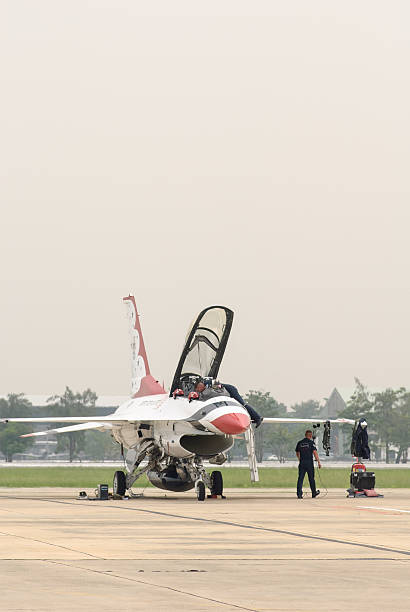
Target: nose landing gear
(200, 490)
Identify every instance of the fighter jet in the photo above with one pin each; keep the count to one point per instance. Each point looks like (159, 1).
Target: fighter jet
(168, 436)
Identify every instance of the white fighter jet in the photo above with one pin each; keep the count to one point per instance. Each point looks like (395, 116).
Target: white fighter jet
(168, 436)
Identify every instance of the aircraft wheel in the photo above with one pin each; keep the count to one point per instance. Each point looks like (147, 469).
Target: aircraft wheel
(119, 485)
(200, 490)
(217, 486)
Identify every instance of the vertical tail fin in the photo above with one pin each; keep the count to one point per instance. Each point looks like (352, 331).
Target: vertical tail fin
(142, 383)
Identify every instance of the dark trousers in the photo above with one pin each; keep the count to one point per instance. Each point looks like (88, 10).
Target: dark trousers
(234, 393)
(306, 467)
(255, 417)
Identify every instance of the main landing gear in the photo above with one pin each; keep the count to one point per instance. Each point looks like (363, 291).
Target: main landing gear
(181, 477)
(215, 484)
(119, 485)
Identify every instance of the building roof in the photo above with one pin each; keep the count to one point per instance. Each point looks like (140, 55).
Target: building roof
(335, 404)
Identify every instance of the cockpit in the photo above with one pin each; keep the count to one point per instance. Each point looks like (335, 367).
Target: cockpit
(195, 387)
(203, 350)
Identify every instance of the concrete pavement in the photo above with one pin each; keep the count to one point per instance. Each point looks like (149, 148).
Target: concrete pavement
(257, 550)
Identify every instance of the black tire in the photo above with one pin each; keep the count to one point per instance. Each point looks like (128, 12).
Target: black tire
(200, 491)
(217, 485)
(119, 485)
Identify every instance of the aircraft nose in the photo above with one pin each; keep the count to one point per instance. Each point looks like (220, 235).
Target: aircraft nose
(232, 423)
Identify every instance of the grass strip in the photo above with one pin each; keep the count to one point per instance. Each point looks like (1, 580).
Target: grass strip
(89, 477)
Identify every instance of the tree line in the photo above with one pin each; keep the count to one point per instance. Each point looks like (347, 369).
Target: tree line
(388, 416)
(92, 445)
(387, 413)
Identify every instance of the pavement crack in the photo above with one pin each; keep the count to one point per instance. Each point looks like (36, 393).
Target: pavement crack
(295, 534)
(201, 519)
(14, 535)
(152, 584)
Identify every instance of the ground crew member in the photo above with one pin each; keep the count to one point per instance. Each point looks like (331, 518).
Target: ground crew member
(305, 451)
(234, 393)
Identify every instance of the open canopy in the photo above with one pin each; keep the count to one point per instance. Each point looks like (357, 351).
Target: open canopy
(205, 345)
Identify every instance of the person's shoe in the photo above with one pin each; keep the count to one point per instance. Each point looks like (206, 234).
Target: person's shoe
(258, 423)
(317, 493)
(300, 496)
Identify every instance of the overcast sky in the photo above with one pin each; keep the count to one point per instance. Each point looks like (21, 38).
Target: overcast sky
(246, 153)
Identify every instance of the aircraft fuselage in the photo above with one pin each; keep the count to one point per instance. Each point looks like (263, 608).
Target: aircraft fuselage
(176, 424)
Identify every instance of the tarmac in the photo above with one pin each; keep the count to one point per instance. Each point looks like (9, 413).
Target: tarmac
(256, 550)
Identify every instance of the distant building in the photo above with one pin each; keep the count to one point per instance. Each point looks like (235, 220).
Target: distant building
(335, 404)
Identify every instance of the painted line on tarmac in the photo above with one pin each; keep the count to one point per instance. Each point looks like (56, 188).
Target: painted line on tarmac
(381, 508)
(366, 509)
(151, 584)
(242, 526)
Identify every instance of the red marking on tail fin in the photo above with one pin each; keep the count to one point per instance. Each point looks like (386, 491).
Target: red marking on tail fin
(149, 386)
(142, 382)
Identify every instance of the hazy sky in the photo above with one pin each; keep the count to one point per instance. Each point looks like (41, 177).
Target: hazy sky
(252, 154)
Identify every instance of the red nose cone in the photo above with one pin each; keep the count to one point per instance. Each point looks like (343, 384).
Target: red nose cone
(232, 423)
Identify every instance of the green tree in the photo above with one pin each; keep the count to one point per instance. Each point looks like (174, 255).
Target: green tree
(388, 416)
(265, 403)
(401, 426)
(360, 404)
(73, 404)
(303, 410)
(384, 416)
(266, 438)
(15, 406)
(306, 409)
(100, 446)
(281, 440)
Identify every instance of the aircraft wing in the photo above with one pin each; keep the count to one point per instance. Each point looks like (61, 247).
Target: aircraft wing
(70, 428)
(81, 423)
(65, 419)
(312, 420)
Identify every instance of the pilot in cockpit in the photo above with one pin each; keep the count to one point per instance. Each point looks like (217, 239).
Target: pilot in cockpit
(208, 388)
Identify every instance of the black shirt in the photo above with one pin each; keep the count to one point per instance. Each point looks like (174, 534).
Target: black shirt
(306, 447)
